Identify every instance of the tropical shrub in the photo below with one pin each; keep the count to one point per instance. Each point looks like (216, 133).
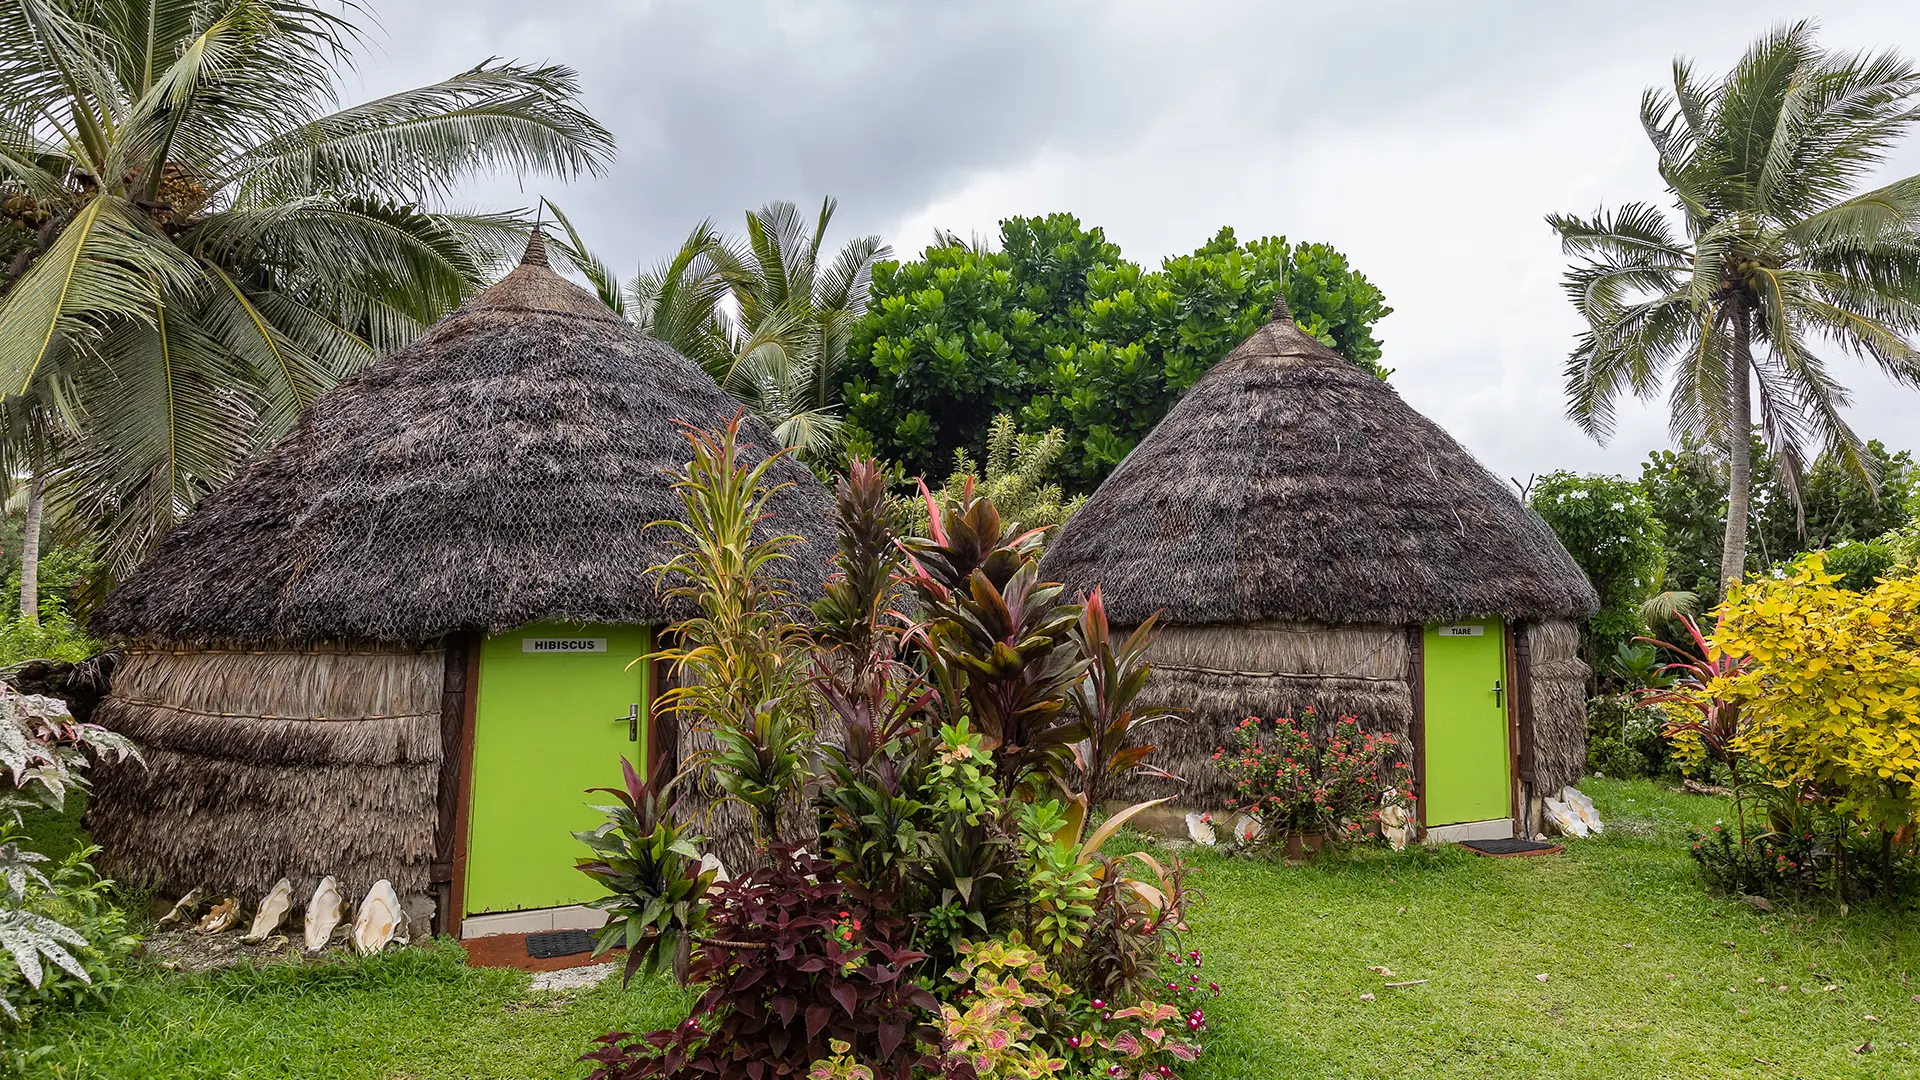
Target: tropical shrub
(1626, 738)
(650, 866)
(1770, 864)
(1015, 1017)
(1297, 782)
(1813, 691)
(739, 665)
(959, 754)
(1831, 686)
(1858, 564)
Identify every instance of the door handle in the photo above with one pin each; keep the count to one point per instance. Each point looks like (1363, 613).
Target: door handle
(633, 722)
(1497, 691)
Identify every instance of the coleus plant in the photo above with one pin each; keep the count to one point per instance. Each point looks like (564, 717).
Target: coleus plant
(800, 968)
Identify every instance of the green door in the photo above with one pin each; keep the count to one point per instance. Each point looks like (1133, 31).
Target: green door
(549, 724)
(1468, 765)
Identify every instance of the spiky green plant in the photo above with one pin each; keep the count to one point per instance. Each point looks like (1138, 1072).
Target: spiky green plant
(1774, 251)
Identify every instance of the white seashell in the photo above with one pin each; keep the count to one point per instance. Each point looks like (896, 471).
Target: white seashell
(324, 912)
(1582, 806)
(184, 909)
(379, 920)
(1565, 819)
(273, 909)
(1247, 828)
(224, 915)
(1200, 829)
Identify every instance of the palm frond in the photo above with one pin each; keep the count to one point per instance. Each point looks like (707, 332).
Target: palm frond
(419, 144)
(107, 265)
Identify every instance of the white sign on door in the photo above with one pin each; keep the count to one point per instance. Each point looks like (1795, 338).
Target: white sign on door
(563, 644)
(1463, 630)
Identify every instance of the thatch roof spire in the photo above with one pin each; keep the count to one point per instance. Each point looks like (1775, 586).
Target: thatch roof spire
(1280, 312)
(501, 470)
(1289, 485)
(536, 254)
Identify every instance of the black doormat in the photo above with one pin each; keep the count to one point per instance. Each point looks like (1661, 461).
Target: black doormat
(559, 943)
(1510, 848)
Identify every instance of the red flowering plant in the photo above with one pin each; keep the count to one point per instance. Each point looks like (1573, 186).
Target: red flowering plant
(1297, 782)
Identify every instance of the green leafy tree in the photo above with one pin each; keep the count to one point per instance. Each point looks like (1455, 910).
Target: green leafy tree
(1773, 249)
(214, 242)
(1836, 504)
(1611, 530)
(1057, 328)
(1687, 490)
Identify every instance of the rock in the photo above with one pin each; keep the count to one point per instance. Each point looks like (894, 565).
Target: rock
(272, 911)
(1247, 828)
(380, 919)
(324, 912)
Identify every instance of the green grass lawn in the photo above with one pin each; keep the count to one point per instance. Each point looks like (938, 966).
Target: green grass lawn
(1647, 977)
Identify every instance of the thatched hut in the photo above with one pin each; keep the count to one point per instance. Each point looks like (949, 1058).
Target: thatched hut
(1313, 541)
(398, 643)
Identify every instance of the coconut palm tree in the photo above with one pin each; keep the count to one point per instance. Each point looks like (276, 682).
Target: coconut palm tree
(762, 314)
(199, 240)
(1774, 255)
(792, 315)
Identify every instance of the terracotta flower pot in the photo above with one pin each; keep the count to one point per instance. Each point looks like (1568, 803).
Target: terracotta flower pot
(1302, 844)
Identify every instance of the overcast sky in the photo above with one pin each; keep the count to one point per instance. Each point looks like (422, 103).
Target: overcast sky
(1424, 140)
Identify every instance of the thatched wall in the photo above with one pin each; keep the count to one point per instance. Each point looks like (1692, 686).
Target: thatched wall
(263, 764)
(1223, 674)
(1559, 706)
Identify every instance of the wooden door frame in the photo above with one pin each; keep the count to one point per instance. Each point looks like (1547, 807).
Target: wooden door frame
(462, 755)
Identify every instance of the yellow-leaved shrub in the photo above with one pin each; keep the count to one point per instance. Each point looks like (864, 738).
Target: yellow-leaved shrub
(1830, 691)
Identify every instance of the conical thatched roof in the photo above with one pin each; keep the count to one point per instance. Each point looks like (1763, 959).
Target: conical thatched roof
(1290, 485)
(500, 470)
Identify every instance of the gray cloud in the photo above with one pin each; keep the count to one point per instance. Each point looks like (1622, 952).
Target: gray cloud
(1426, 140)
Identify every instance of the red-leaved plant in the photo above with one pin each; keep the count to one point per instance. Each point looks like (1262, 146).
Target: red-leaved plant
(797, 962)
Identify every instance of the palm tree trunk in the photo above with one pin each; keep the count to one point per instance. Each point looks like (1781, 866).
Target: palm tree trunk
(1733, 552)
(30, 550)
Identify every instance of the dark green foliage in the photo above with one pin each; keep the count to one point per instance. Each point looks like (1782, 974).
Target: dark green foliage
(1837, 505)
(1624, 740)
(1687, 489)
(1059, 329)
(1860, 562)
(1611, 530)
